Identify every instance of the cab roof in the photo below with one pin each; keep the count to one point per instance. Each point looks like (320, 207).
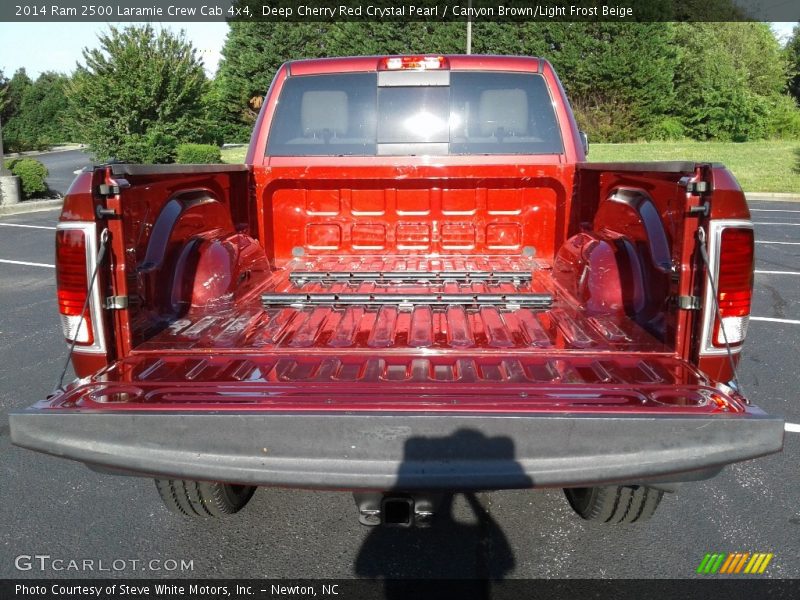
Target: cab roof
(457, 62)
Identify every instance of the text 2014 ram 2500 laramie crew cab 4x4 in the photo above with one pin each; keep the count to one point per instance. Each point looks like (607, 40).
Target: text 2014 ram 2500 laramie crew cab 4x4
(415, 285)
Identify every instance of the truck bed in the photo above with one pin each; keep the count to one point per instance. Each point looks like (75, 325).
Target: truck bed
(405, 355)
(453, 304)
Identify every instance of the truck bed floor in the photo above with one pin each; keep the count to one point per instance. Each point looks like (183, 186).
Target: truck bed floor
(417, 327)
(404, 357)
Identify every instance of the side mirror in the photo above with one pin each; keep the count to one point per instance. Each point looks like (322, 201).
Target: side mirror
(585, 142)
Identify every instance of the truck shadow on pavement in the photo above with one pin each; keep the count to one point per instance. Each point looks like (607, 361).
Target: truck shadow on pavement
(464, 541)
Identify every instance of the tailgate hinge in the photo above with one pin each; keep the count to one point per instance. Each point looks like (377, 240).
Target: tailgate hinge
(112, 189)
(702, 209)
(116, 303)
(107, 190)
(698, 188)
(688, 302)
(701, 189)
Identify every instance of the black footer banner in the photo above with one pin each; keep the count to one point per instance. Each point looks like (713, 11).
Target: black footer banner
(412, 589)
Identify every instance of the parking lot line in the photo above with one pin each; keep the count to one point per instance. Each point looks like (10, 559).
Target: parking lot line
(27, 264)
(773, 223)
(776, 272)
(773, 210)
(25, 226)
(781, 243)
(791, 427)
(776, 320)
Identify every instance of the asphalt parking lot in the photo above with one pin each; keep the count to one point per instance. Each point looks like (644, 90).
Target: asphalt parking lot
(61, 509)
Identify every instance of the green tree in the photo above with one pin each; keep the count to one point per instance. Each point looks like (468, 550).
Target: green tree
(793, 59)
(139, 95)
(3, 91)
(729, 78)
(619, 76)
(41, 119)
(14, 91)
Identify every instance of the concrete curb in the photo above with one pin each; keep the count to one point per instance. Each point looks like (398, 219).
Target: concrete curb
(772, 197)
(29, 206)
(54, 150)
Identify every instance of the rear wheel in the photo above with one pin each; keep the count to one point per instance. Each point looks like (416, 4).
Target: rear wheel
(203, 499)
(614, 503)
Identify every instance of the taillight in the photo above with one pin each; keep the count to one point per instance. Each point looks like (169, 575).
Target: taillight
(730, 251)
(72, 284)
(75, 259)
(734, 286)
(413, 63)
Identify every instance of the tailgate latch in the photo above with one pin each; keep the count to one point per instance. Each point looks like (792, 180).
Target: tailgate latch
(116, 303)
(688, 302)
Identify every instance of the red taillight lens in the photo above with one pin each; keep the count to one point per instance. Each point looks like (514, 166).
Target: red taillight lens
(72, 282)
(413, 63)
(734, 285)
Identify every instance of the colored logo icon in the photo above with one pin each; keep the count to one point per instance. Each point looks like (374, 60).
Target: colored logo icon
(734, 563)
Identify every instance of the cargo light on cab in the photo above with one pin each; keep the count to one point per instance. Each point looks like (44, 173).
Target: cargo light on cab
(413, 63)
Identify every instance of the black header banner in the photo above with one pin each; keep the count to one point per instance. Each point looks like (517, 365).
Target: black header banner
(376, 11)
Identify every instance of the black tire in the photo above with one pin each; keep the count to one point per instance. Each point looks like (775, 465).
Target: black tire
(614, 503)
(203, 499)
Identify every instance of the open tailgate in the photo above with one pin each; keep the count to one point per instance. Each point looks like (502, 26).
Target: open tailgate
(359, 420)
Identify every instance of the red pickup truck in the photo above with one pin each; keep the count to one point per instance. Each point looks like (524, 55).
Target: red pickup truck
(416, 285)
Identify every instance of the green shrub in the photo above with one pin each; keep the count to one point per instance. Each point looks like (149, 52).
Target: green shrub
(151, 148)
(198, 154)
(31, 175)
(19, 138)
(667, 129)
(609, 122)
(784, 119)
(737, 115)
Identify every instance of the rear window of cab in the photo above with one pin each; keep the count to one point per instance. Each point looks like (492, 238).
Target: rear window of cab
(414, 113)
